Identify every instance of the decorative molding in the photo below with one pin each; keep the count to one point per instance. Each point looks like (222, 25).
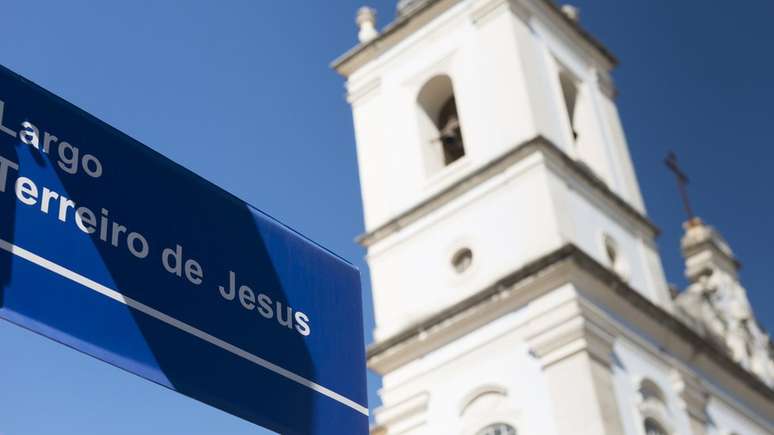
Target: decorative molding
(716, 305)
(486, 299)
(569, 336)
(356, 94)
(407, 6)
(700, 238)
(480, 391)
(391, 35)
(569, 329)
(485, 10)
(388, 353)
(693, 395)
(652, 403)
(577, 27)
(657, 412)
(395, 32)
(496, 167)
(412, 407)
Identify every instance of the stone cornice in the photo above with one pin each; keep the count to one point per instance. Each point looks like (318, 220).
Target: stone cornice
(486, 296)
(395, 32)
(569, 329)
(700, 237)
(390, 35)
(713, 247)
(498, 166)
(492, 298)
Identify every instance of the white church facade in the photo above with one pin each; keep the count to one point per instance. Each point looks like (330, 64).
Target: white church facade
(516, 281)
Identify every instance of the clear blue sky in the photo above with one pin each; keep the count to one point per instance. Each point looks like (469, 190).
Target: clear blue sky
(240, 92)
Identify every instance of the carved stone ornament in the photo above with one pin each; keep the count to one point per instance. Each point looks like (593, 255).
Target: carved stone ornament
(716, 305)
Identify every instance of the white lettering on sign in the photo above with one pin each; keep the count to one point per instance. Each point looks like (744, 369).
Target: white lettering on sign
(265, 306)
(103, 227)
(69, 156)
(28, 193)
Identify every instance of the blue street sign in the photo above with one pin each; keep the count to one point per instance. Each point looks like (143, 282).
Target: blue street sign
(110, 248)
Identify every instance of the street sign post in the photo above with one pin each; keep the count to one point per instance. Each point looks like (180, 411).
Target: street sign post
(112, 249)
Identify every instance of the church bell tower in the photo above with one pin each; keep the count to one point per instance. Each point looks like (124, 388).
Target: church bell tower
(514, 270)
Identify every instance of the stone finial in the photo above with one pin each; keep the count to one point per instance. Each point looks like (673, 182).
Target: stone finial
(366, 21)
(571, 12)
(704, 248)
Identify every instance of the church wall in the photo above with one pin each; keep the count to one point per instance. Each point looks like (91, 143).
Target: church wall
(372, 153)
(633, 367)
(497, 109)
(482, 58)
(585, 220)
(630, 187)
(600, 143)
(504, 114)
(503, 59)
(591, 146)
(539, 70)
(487, 376)
(729, 421)
(506, 222)
(637, 361)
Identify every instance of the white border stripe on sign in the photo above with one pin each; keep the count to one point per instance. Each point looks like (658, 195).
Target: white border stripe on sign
(139, 306)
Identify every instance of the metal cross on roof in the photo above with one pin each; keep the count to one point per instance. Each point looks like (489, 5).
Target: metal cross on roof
(682, 183)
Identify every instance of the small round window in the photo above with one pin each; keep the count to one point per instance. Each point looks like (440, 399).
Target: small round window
(498, 429)
(462, 259)
(611, 250)
(615, 260)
